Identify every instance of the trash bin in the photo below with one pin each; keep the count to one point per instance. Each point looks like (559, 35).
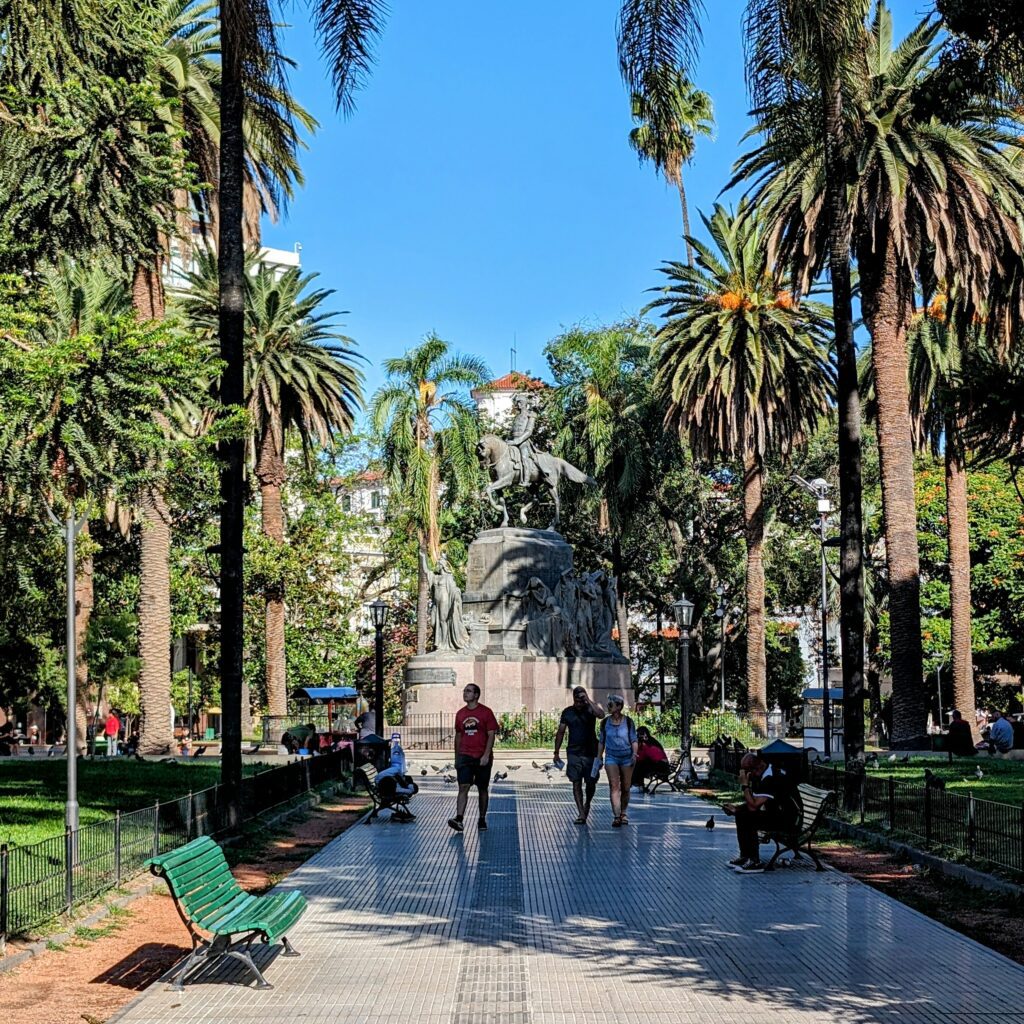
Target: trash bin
(784, 757)
(373, 750)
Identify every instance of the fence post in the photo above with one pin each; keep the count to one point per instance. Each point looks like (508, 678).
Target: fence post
(188, 819)
(117, 848)
(69, 878)
(156, 829)
(1021, 865)
(3, 897)
(892, 804)
(305, 772)
(971, 837)
(927, 817)
(863, 793)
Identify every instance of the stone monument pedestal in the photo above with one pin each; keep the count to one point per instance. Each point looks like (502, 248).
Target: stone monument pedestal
(434, 682)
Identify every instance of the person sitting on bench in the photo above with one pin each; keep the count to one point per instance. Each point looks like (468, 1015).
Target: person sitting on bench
(404, 785)
(769, 804)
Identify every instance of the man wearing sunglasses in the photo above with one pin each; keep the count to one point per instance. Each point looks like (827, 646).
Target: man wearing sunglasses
(475, 729)
(580, 721)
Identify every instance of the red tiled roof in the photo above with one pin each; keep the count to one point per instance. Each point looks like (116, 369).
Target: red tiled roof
(516, 381)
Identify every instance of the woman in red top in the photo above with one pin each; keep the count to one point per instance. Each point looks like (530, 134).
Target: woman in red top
(651, 759)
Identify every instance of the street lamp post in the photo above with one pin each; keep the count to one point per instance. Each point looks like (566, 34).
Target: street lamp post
(722, 612)
(820, 488)
(683, 611)
(379, 612)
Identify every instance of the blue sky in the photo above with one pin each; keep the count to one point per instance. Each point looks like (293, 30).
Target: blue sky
(484, 188)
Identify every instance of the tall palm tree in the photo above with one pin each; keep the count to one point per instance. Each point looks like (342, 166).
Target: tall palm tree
(669, 116)
(818, 37)
(930, 189)
(347, 30)
(599, 412)
(300, 378)
(743, 369)
(422, 416)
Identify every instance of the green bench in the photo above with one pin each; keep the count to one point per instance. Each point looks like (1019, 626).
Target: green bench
(214, 908)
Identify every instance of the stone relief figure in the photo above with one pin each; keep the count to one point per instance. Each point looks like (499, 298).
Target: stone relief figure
(544, 632)
(516, 463)
(600, 600)
(567, 596)
(450, 630)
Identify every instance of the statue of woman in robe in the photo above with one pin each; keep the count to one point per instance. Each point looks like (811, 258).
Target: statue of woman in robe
(450, 630)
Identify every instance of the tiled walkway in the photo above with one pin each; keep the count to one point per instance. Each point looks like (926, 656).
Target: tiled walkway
(540, 921)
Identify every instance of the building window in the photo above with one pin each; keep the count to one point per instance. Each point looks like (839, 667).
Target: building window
(346, 503)
(374, 499)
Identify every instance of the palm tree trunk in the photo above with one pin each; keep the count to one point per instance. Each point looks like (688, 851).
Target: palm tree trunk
(270, 470)
(686, 220)
(422, 600)
(753, 524)
(156, 732)
(886, 304)
(84, 603)
(148, 291)
(959, 541)
(851, 531)
(231, 259)
(622, 609)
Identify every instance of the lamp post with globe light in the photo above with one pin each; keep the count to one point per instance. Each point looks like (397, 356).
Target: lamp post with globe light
(683, 611)
(379, 614)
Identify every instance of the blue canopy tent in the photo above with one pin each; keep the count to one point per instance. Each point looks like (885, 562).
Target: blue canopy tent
(329, 695)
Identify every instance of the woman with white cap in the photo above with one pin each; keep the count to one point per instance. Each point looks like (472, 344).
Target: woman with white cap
(617, 749)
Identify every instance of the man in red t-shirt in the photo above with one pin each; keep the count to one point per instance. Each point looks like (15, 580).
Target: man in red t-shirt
(475, 729)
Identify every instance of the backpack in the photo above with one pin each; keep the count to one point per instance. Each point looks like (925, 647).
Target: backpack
(630, 729)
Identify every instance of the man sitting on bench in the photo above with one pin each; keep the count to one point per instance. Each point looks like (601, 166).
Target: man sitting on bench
(769, 804)
(395, 775)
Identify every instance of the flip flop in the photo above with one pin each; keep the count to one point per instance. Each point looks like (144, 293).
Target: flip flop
(617, 822)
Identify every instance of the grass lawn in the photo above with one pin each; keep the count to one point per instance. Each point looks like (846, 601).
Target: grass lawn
(1003, 780)
(32, 792)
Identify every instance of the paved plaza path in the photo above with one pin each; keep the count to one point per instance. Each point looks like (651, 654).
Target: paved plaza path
(540, 921)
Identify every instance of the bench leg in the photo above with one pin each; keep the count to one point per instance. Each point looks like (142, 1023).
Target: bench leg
(198, 953)
(289, 949)
(245, 955)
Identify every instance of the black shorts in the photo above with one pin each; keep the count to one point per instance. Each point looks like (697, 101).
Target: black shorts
(470, 772)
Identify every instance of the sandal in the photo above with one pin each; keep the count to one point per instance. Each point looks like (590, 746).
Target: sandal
(623, 820)
(617, 821)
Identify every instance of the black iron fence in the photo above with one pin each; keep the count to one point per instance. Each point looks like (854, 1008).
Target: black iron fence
(41, 881)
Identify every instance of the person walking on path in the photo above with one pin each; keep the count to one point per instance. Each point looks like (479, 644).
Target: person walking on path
(475, 729)
(579, 720)
(769, 803)
(111, 728)
(618, 751)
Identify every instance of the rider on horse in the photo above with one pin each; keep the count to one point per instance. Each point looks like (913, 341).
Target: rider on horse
(523, 426)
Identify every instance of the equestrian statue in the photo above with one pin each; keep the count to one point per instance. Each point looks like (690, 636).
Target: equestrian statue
(516, 463)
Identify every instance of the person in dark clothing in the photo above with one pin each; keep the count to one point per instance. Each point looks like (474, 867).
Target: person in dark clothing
(770, 802)
(959, 740)
(1018, 733)
(579, 720)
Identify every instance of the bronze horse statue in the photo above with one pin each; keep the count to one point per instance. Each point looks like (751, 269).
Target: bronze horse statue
(503, 470)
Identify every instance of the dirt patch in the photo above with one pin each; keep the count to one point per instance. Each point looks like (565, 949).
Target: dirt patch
(993, 919)
(104, 967)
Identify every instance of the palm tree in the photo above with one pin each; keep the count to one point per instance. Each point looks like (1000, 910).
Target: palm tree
(599, 411)
(301, 378)
(347, 29)
(424, 421)
(818, 37)
(743, 369)
(669, 116)
(929, 190)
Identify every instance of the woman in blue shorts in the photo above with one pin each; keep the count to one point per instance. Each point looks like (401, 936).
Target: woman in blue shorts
(617, 748)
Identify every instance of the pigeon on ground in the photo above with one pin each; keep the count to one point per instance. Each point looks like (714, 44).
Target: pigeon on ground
(423, 771)
(31, 751)
(51, 751)
(537, 766)
(710, 823)
(978, 773)
(435, 769)
(513, 767)
(500, 776)
(449, 778)
(892, 759)
(933, 781)
(905, 759)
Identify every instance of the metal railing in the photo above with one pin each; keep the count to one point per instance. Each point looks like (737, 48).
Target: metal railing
(41, 881)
